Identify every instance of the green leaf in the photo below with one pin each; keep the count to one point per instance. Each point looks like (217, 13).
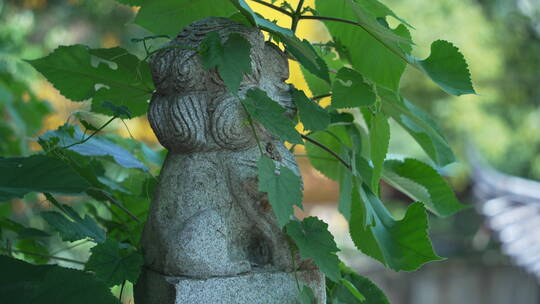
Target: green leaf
(70, 225)
(95, 146)
(70, 70)
(448, 68)
(316, 85)
(419, 125)
(337, 139)
(271, 115)
(113, 264)
(284, 188)
(38, 173)
(351, 282)
(231, 59)
(24, 283)
(301, 50)
(315, 242)
(306, 296)
(379, 10)
(368, 45)
(400, 245)
(345, 190)
(353, 290)
(131, 2)
(349, 90)
(169, 17)
(379, 138)
(422, 183)
(312, 116)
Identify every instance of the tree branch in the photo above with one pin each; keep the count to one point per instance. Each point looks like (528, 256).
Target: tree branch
(277, 8)
(325, 148)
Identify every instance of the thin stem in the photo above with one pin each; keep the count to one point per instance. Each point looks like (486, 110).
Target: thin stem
(122, 291)
(91, 135)
(297, 15)
(250, 121)
(44, 256)
(317, 97)
(277, 8)
(325, 148)
(117, 204)
(170, 47)
(326, 18)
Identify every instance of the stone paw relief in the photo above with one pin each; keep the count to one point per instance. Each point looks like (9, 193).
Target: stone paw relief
(208, 221)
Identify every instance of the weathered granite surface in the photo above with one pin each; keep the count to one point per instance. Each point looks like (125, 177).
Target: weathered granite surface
(210, 232)
(250, 288)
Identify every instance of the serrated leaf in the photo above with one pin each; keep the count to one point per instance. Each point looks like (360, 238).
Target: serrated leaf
(271, 115)
(400, 245)
(169, 17)
(24, 283)
(448, 68)
(422, 183)
(113, 264)
(316, 85)
(349, 90)
(373, 50)
(315, 242)
(301, 50)
(344, 293)
(95, 146)
(312, 116)
(70, 70)
(283, 186)
(231, 59)
(379, 139)
(336, 138)
(38, 173)
(419, 125)
(71, 226)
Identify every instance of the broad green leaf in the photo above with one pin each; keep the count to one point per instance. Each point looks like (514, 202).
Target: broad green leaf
(336, 138)
(448, 68)
(316, 85)
(231, 59)
(301, 50)
(378, 10)
(419, 125)
(378, 44)
(70, 70)
(271, 115)
(349, 90)
(169, 17)
(312, 116)
(422, 183)
(24, 283)
(345, 190)
(400, 245)
(70, 225)
(284, 188)
(352, 289)
(315, 242)
(38, 173)
(379, 138)
(306, 296)
(113, 264)
(131, 2)
(95, 146)
(373, 50)
(351, 283)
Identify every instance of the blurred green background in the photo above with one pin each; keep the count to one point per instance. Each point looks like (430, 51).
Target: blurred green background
(499, 38)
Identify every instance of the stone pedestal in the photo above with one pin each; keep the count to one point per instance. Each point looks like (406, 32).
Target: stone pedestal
(250, 288)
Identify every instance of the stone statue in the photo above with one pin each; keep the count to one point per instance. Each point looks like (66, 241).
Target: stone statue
(208, 220)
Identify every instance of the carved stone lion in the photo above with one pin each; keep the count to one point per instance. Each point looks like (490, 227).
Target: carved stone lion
(207, 216)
